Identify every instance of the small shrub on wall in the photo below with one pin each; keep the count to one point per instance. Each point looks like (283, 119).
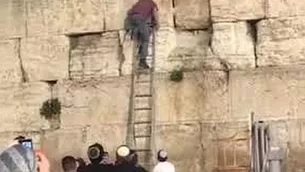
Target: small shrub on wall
(177, 75)
(51, 109)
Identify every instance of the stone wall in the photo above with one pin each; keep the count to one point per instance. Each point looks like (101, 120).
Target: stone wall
(241, 56)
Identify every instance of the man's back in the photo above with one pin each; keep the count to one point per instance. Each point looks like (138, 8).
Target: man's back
(144, 7)
(98, 168)
(164, 167)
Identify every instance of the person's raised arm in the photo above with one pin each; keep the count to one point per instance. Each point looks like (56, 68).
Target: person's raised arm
(43, 162)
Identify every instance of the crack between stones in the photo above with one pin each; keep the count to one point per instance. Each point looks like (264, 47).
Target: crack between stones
(24, 77)
(252, 26)
(174, 14)
(71, 46)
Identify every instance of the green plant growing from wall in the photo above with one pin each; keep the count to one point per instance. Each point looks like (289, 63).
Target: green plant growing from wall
(177, 74)
(50, 109)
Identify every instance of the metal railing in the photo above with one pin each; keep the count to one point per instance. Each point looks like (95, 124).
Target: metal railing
(264, 158)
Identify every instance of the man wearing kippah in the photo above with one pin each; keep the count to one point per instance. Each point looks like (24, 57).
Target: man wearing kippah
(163, 165)
(95, 155)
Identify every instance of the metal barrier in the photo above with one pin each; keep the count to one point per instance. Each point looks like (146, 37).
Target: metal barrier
(264, 158)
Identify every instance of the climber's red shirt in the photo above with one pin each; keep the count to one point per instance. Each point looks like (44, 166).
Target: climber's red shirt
(144, 8)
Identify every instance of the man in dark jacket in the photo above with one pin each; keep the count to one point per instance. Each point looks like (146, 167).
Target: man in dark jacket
(141, 16)
(95, 154)
(133, 159)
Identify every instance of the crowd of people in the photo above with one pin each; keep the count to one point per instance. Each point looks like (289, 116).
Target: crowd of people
(21, 158)
(126, 161)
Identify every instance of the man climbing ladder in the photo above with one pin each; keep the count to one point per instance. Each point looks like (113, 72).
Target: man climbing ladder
(141, 17)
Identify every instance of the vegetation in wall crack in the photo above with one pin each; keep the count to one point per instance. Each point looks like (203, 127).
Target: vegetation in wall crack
(177, 75)
(50, 109)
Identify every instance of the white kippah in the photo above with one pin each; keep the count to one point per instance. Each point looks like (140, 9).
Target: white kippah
(163, 154)
(123, 151)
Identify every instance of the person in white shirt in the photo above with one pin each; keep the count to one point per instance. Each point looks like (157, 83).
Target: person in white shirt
(163, 165)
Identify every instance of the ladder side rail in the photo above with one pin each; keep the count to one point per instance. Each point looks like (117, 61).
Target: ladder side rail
(152, 90)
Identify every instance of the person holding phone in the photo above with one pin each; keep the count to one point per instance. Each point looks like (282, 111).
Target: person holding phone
(20, 158)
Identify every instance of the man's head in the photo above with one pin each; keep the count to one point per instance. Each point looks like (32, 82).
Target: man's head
(95, 153)
(17, 158)
(68, 164)
(162, 155)
(122, 154)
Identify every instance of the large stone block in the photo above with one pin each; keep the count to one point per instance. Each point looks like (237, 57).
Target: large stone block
(234, 10)
(165, 43)
(189, 139)
(233, 45)
(85, 16)
(11, 68)
(280, 41)
(226, 145)
(60, 143)
(116, 13)
(90, 103)
(57, 144)
(12, 20)
(165, 12)
(178, 102)
(20, 106)
(191, 51)
(95, 56)
(46, 17)
(45, 58)
(199, 10)
(282, 8)
(270, 93)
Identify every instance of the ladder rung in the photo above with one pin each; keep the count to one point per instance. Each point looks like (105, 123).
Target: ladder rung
(142, 122)
(142, 150)
(141, 136)
(143, 95)
(144, 108)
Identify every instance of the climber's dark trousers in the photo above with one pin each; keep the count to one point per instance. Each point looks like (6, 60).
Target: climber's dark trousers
(138, 22)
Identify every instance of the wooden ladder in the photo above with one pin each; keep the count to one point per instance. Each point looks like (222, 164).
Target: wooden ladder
(140, 136)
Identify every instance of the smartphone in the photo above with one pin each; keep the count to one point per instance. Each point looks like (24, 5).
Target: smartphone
(27, 143)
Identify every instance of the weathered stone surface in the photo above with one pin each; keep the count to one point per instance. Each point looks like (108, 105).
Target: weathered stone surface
(12, 20)
(116, 12)
(185, 49)
(45, 58)
(259, 91)
(85, 16)
(233, 45)
(280, 41)
(94, 103)
(282, 8)
(57, 144)
(165, 43)
(95, 56)
(199, 9)
(233, 10)
(290, 136)
(126, 54)
(225, 146)
(192, 51)
(46, 17)
(20, 106)
(10, 70)
(178, 102)
(165, 12)
(188, 136)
